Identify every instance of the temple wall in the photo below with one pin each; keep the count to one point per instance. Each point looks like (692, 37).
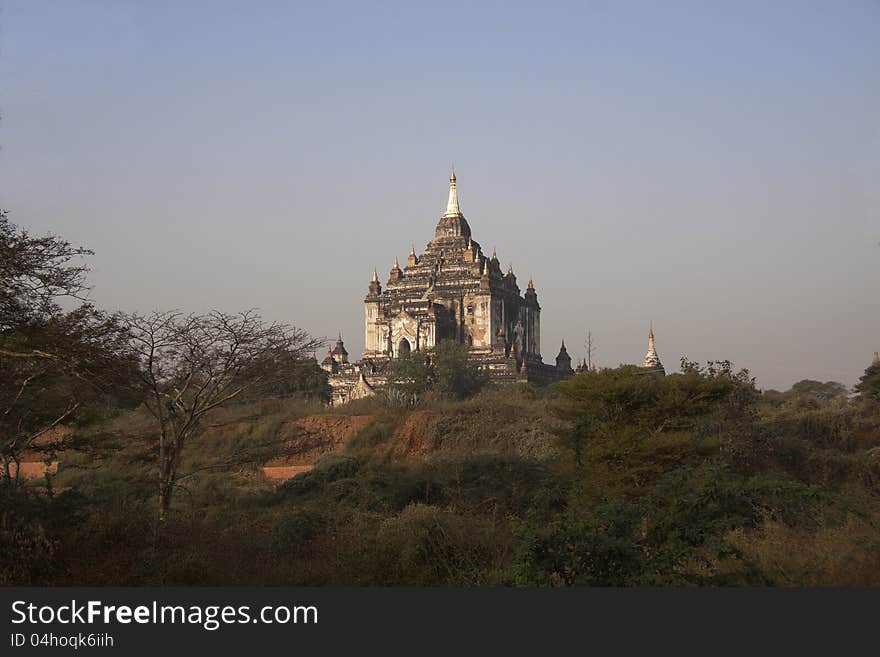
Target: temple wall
(480, 321)
(372, 330)
(537, 331)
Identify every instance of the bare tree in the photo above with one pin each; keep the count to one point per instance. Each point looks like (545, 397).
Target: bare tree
(590, 349)
(193, 364)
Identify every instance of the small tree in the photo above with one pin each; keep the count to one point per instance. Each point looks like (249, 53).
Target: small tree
(868, 386)
(409, 380)
(193, 364)
(454, 375)
(309, 381)
(445, 370)
(302, 378)
(824, 391)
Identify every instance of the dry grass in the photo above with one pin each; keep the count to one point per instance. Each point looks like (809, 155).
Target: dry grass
(847, 554)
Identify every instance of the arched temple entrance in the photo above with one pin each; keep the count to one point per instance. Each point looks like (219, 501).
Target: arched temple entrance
(403, 348)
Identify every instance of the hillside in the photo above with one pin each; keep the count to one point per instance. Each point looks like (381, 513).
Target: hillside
(608, 479)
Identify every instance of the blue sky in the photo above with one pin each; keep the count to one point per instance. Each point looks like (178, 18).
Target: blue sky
(712, 167)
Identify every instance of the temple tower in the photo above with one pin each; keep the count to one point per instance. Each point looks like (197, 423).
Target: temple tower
(652, 360)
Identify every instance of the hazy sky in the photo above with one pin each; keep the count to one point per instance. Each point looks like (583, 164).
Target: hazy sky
(713, 167)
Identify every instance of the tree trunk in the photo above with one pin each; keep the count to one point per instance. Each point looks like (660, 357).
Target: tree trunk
(164, 501)
(17, 462)
(167, 473)
(168, 464)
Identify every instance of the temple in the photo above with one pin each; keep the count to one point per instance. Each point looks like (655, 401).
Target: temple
(452, 291)
(652, 364)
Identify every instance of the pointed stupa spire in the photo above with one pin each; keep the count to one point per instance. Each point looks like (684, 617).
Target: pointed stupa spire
(452, 207)
(652, 360)
(510, 268)
(375, 288)
(486, 267)
(494, 254)
(531, 284)
(412, 249)
(396, 264)
(876, 360)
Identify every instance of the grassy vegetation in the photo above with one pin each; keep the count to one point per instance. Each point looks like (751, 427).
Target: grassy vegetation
(611, 478)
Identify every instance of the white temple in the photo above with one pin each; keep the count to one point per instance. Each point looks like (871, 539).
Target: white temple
(652, 360)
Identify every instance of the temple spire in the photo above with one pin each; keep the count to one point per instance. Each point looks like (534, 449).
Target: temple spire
(652, 360)
(452, 208)
(375, 276)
